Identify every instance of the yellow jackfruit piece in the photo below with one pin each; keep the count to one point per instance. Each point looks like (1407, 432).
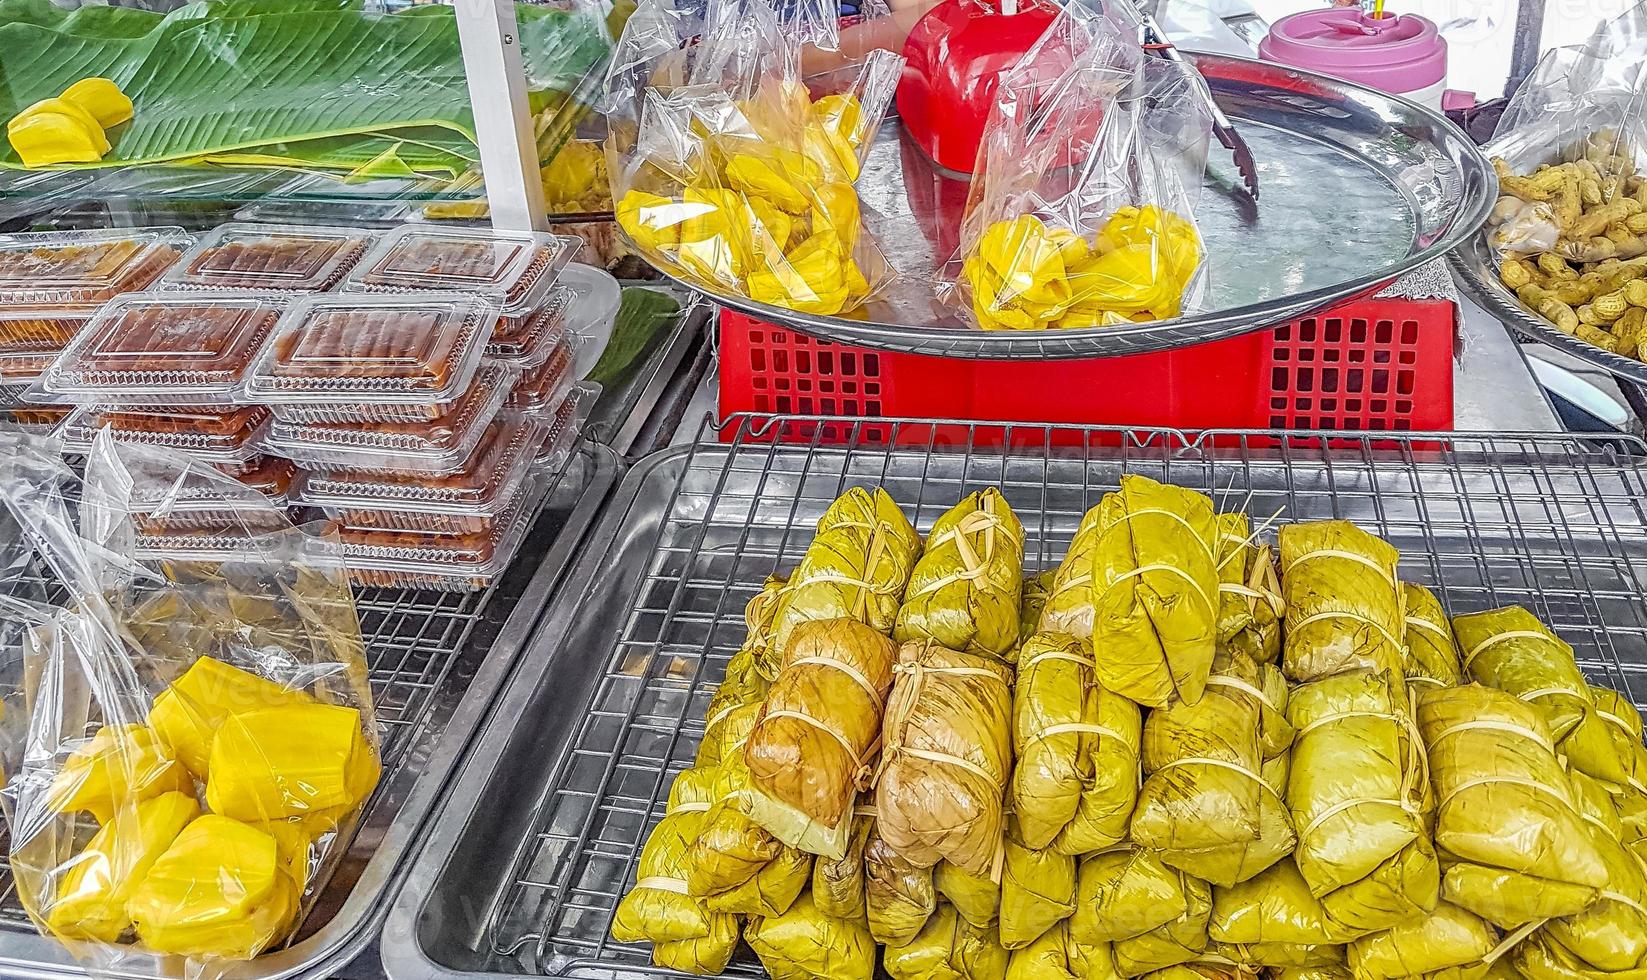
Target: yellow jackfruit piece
(117, 764)
(73, 110)
(102, 99)
(292, 840)
(42, 139)
(188, 713)
(218, 891)
(310, 761)
(91, 894)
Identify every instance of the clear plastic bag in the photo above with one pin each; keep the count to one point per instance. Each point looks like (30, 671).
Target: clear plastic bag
(201, 736)
(727, 171)
(1081, 209)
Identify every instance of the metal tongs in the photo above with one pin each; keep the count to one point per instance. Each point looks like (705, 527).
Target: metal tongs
(1155, 40)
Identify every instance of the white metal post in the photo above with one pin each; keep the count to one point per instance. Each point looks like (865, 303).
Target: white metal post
(503, 125)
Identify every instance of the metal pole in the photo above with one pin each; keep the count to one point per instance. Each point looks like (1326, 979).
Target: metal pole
(1528, 43)
(503, 126)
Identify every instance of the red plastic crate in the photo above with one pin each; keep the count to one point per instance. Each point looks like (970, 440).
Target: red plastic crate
(1370, 365)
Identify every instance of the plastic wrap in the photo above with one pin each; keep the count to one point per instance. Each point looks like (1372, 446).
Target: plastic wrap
(1081, 208)
(286, 258)
(202, 735)
(727, 171)
(519, 266)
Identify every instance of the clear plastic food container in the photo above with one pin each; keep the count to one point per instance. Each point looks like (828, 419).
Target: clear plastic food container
(406, 355)
(448, 562)
(464, 502)
(164, 349)
(23, 362)
(287, 258)
(230, 436)
(517, 266)
(565, 428)
(197, 506)
(44, 326)
(541, 390)
(437, 447)
(78, 270)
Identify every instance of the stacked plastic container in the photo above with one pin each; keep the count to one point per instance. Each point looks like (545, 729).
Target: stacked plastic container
(411, 386)
(51, 284)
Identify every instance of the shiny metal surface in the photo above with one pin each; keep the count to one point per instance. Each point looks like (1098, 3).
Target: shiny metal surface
(1358, 187)
(437, 661)
(523, 870)
(1473, 266)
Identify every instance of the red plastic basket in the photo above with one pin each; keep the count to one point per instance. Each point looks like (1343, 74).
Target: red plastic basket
(1370, 365)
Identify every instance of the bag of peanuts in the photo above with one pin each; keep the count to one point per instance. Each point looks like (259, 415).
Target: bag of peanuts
(1570, 225)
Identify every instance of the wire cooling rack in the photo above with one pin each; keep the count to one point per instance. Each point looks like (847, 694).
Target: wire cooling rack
(1555, 523)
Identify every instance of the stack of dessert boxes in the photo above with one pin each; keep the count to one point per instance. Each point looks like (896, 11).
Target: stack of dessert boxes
(410, 385)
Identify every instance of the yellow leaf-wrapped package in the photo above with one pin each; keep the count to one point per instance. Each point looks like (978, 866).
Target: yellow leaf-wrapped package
(1107, 797)
(219, 890)
(1069, 607)
(1058, 956)
(1249, 592)
(1182, 940)
(1610, 936)
(95, 884)
(838, 883)
(1450, 943)
(1126, 892)
(1344, 604)
(977, 897)
(1274, 908)
(118, 765)
(1037, 891)
(948, 948)
(900, 896)
(965, 589)
(191, 711)
(1505, 813)
(813, 741)
(1156, 581)
(307, 760)
(805, 944)
(946, 757)
(1433, 658)
(1051, 736)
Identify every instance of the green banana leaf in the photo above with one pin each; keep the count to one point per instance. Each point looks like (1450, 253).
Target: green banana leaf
(282, 78)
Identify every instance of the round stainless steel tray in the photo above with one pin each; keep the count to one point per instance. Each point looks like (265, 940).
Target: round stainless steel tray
(1473, 264)
(1356, 188)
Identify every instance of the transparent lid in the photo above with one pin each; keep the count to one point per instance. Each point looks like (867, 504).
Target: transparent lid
(22, 362)
(479, 555)
(272, 480)
(82, 269)
(232, 435)
(289, 258)
(166, 348)
(441, 446)
(542, 389)
(518, 266)
(495, 469)
(596, 297)
(412, 347)
(41, 325)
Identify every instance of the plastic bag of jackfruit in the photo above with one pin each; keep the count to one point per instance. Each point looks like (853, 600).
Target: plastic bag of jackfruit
(200, 736)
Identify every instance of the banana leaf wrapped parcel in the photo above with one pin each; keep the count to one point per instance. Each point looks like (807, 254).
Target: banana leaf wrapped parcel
(1317, 973)
(1229, 864)
(805, 944)
(1509, 649)
(813, 743)
(1624, 731)
(898, 896)
(742, 688)
(856, 567)
(1451, 943)
(1250, 604)
(684, 935)
(1127, 891)
(948, 948)
(1275, 919)
(977, 898)
(1037, 891)
(1058, 956)
(1183, 940)
(1051, 738)
(966, 587)
(1344, 604)
(1104, 813)
(1540, 957)
(1069, 606)
(1037, 590)
(1272, 956)
(1155, 579)
(1433, 656)
(838, 884)
(946, 756)
(1506, 819)
(1358, 793)
(760, 618)
(1609, 937)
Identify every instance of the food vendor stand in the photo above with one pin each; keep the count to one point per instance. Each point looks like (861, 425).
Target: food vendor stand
(531, 728)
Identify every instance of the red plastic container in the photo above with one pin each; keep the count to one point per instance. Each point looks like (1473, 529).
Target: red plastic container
(1370, 365)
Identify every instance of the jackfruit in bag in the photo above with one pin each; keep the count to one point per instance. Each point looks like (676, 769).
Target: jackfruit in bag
(1450, 943)
(1069, 606)
(190, 712)
(128, 763)
(97, 883)
(1506, 816)
(1052, 738)
(948, 948)
(965, 590)
(1433, 657)
(1344, 603)
(900, 897)
(805, 944)
(1155, 581)
(305, 760)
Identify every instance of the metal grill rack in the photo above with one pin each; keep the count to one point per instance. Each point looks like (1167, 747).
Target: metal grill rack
(646, 625)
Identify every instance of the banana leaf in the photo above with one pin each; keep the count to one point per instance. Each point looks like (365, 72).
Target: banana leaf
(1037, 590)
(1274, 956)
(1057, 956)
(965, 590)
(1312, 973)
(1069, 606)
(1037, 891)
(1126, 892)
(1250, 605)
(1433, 657)
(975, 896)
(805, 944)
(1155, 578)
(1230, 864)
(1183, 940)
(1344, 608)
(1506, 816)
(1450, 943)
(948, 948)
(899, 896)
(1107, 797)
(1611, 935)
(838, 885)
(1540, 957)
(1205, 969)
(1275, 907)
(1051, 737)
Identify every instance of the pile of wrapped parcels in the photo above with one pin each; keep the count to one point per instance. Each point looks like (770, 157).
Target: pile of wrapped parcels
(1181, 753)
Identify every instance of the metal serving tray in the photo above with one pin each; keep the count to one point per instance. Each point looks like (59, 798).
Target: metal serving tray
(437, 660)
(523, 869)
(1357, 187)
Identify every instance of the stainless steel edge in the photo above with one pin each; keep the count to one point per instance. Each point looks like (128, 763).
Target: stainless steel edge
(1472, 263)
(403, 955)
(357, 922)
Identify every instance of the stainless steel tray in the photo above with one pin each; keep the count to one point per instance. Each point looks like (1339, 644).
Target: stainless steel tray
(437, 661)
(1473, 263)
(523, 869)
(1357, 187)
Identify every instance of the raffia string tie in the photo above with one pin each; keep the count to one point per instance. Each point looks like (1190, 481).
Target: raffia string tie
(1382, 630)
(1414, 622)
(806, 719)
(658, 883)
(1195, 760)
(1512, 940)
(1608, 716)
(1547, 691)
(1194, 585)
(1332, 811)
(720, 716)
(975, 561)
(1072, 728)
(1497, 638)
(1384, 573)
(1173, 516)
(1053, 653)
(904, 699)
(1488, 724)
(847, 669)
(1224, 680)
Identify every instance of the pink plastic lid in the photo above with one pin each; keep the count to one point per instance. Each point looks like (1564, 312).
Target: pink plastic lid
(1393, 53)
